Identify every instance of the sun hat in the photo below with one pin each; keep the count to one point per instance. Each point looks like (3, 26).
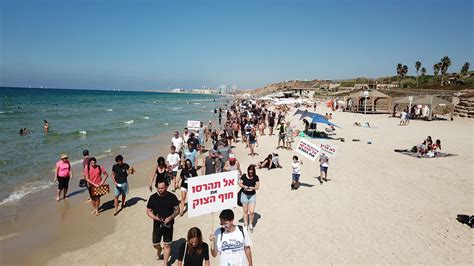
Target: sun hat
(64, 156)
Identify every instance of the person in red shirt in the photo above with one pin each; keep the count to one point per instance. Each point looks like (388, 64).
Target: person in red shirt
(93, 173)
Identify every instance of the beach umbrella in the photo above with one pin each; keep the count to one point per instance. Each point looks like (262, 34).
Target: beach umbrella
(320, 119)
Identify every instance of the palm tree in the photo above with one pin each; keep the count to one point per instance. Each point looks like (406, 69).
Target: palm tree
(399, 73)
(402, 70)
(465, 68)
(436, 68)
(423, 73)
(417, 67)
(445, 63)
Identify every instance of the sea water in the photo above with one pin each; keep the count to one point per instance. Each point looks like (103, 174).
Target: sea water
(104, 122)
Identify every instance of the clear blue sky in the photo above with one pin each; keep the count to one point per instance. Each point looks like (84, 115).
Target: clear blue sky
(168, 44)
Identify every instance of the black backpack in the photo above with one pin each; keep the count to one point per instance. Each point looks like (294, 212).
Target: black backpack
(241, 228)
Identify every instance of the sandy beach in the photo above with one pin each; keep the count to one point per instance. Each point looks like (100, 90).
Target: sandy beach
(378, 207)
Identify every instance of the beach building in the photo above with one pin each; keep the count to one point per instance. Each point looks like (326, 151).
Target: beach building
(368, 101)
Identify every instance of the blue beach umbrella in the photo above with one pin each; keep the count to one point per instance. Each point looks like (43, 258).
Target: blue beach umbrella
(317, 118)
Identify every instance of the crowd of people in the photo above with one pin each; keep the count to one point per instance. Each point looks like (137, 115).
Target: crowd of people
(245, 122)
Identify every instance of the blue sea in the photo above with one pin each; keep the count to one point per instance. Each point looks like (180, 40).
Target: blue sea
(105, 122)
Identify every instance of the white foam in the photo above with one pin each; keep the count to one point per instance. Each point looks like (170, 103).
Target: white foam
(6, 112)
(177, 108)
(123, 147)
(165, 124)
(110, 110)
(7, 236)
(83, 132)
(128, 122)
(108, 151)
(197, 103)
(25, 190)
(146, 117)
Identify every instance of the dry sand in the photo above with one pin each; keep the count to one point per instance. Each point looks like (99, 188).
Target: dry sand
(379, 207)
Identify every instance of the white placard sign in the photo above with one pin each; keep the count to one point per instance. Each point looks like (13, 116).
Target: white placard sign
(329, 149)
(308, 149)
(212, 193)
(193, 125)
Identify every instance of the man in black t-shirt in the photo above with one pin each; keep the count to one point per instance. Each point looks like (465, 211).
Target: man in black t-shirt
(162, 208)
(120, 172)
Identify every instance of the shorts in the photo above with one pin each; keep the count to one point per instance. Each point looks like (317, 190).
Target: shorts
(236, 133)
(281, 137)
(289, 139)
(248, 199)
(295, 177)
(323, 169)
(123, 190)
(63, 182)
(159, 232)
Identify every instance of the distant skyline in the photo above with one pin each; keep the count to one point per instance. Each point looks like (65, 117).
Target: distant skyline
(145, 45)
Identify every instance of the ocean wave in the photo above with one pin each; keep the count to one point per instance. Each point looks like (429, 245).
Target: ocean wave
(123, 147)
(110, 110)
(8, 236)
(25, 190)
(83, 132)
(128, 122)
(177, 108)
(6, 112)
(165, 124)
(109, 150)
(197, 103)
(146, 117)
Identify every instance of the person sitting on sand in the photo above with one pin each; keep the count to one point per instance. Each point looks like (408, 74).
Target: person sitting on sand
(357, 124)
(267, 163)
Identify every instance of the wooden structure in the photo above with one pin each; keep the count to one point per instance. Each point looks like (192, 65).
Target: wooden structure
(372, 102)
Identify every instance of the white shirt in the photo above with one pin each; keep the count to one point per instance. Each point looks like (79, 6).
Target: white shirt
(231, 247)
(296, 167)
(177, 142)
(185, 137)
(173, 159)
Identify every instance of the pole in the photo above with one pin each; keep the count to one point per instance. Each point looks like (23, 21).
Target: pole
(365, 106)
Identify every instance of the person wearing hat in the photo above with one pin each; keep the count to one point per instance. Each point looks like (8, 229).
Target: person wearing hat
(62, 175)
(232, 164)
(211, 164)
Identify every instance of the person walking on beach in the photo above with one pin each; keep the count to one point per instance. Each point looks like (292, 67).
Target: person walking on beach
(281, 134)
(211, 164)
(177, 141)
(173, 161)
(201, 136)
(194, 251)
(323, 166)
(288, 136)
(252, 141)
(271, 122)
(232, 242)
(62, 175)
(120, 172)
(93, 173)
(295, 175)
(186, 135)
(250, 183)
(85, 162)
(190, 153)
(160, 172)
(162, 208)
(188, 172)
(232, 164)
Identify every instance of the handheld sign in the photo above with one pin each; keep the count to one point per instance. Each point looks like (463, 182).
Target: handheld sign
(308, 149)
(329, 149)
(193, 125)
(212, 193)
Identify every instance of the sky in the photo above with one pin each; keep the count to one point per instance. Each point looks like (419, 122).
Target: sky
(141, 45)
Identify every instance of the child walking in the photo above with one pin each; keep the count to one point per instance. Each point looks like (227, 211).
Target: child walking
(295, 176)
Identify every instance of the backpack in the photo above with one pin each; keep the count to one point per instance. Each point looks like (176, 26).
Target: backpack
(241, 228)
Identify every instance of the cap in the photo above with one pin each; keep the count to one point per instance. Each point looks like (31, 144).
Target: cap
(231, 157)
(64, 156)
